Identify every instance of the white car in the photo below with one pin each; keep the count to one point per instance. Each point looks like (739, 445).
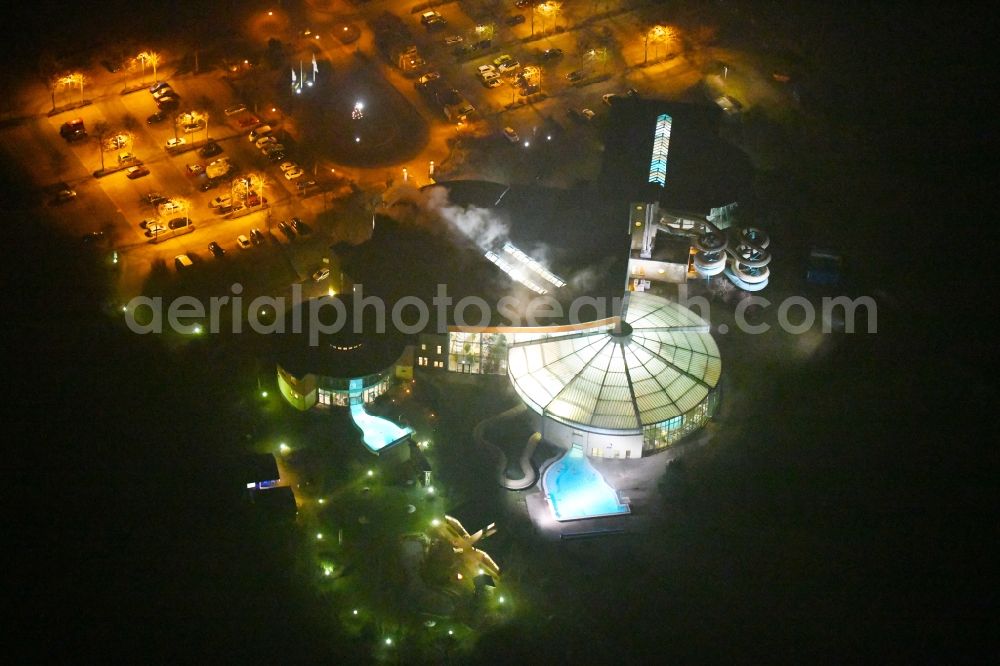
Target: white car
(174, 143)
(321, 274)
(511, 135)
(486, 70)
(236, 108)
(491, 81)
(259, 132)
(154, 229)
(221, 202)
(292, 174)
(264, 140)
(243, 242)
(288, 166)
(452, 40)
(169, 206)
(587, 113)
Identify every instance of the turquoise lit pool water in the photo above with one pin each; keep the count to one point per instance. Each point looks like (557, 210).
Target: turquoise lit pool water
(576, 490)
(377, 432)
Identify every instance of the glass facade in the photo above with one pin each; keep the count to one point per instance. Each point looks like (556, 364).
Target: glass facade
(333, 392)
(477, 353)
(659, 436)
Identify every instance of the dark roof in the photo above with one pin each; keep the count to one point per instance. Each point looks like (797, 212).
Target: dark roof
(572, 232)
(347, 353)
(277, 504)
(671, 249)
(703, 169)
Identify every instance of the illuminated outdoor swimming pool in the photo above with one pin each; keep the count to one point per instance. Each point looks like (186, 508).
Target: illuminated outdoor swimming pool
(576, 490)
(377, 432)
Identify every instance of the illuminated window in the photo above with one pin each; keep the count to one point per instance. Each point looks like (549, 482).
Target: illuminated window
(439, 349)
(423, 347)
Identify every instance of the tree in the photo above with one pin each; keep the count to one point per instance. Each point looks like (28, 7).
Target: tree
(101, 131)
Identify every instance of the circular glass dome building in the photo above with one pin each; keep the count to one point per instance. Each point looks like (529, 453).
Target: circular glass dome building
(620, 391)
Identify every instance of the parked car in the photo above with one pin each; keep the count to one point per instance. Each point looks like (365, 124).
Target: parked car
(514, 20)
(249, 121)
(427, 78)
(165, 91)
(169, 206)
(285, 166)
(160, 85)
(276, 156)
(154, 229)
(609, 99)
(285, 229)
(168, 103)
(511, 135)
(93, 237)
(153, 198)
(587, 113)
(195, 169)
(257, 236)
(145, 223)
(234, 109)
(193, 127)
(243, 242)
(178, 223)
(321, 274)
(305, 185)
(176, 143)
(136, 172)
(491, 81)
(264, 140)
(298, 225)
(453, 39)
(576, 75)
(271, 148)
(552, 54)
(157, 117)
(210, 184)
(432, 20)
(64, 195)
(210, 149)
(182, 261)
(292, 174)
(258, 132)
(220, 201)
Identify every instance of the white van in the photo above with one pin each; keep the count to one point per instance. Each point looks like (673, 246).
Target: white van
(182, 261)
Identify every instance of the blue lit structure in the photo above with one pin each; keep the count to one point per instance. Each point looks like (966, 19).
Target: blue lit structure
(575, 490)
(378, 433)
(661, 145)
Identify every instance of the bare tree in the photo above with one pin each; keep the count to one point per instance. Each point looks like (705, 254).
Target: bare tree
(101, 131)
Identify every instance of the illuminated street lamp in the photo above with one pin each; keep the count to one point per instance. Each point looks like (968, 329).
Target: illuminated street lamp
(73, 79)
(599, 54)
(359, 111)
(658, 34)
(546, 10)
(153, 58)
